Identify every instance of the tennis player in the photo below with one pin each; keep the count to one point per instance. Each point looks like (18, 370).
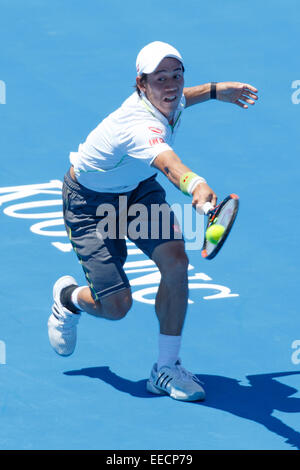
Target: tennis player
(115, 170)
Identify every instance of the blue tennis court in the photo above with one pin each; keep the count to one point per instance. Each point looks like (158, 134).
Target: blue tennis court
(63, 67)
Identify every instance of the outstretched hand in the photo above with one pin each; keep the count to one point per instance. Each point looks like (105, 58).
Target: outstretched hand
(237, 93)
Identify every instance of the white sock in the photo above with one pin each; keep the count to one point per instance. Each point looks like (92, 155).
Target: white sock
(74, 297)
(169, 347)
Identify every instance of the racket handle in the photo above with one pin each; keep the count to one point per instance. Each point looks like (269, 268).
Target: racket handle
(207, 207)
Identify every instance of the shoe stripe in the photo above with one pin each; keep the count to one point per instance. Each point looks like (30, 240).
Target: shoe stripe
(171, 378)
(159, 377)
(55, 312)
(162, 382)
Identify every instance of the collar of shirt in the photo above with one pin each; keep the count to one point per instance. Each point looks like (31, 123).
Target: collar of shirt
(157, 114)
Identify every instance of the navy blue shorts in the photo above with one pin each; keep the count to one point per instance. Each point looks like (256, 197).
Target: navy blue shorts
(99, 223)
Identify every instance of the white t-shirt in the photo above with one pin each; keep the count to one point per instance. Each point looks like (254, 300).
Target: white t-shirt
(118, 153)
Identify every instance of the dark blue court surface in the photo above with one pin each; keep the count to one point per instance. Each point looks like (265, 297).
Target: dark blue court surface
(63, 67)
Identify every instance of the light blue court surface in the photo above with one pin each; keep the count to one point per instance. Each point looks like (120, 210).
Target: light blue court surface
(64, 65)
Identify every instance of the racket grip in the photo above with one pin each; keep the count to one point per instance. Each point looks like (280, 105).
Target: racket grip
(207, 207)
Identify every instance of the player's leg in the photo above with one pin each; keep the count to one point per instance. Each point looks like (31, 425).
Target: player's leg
(66, 313)
(167, 375)
(166, 249)
(112, 307)
(172, 296)
(108, 292)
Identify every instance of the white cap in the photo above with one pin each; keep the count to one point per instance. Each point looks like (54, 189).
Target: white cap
(151, 55)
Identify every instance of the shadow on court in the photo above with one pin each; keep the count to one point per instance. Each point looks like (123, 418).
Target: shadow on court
(255, 401)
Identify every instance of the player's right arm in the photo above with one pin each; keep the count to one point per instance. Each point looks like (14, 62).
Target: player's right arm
(172, 167)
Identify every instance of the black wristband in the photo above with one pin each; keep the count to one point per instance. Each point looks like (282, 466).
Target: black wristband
(213, 91)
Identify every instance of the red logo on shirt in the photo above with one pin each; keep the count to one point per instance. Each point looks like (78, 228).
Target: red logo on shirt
(156, 130)
(156, 140)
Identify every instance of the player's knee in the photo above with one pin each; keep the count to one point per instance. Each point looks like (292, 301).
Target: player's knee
(176, 263)
(117, 306)
(171, 257)
(181, 261)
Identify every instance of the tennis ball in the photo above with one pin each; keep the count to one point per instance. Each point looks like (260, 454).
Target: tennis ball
(214, 233)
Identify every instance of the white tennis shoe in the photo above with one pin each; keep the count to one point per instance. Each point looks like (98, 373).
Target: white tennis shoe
(176, 382)
(62, 323)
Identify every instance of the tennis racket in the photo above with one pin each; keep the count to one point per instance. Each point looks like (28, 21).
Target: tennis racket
(223, 214)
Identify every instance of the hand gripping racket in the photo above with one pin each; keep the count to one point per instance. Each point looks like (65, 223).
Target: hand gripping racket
(223, 214)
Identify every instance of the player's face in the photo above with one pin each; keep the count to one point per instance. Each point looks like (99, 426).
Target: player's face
(164, 86)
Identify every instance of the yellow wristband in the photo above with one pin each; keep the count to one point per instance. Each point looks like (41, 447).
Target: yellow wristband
(188, 181)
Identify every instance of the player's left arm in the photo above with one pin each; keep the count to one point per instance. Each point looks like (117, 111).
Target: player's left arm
(241, 94)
